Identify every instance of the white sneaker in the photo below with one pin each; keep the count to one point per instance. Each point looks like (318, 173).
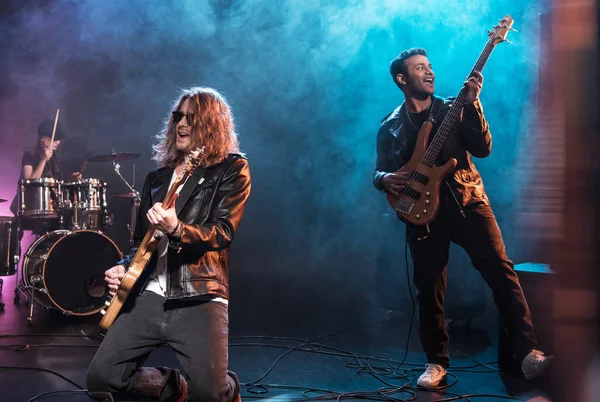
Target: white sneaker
(534, 364)
(432, 377)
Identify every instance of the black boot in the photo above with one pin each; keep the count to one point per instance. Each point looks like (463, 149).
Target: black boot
(237, 390)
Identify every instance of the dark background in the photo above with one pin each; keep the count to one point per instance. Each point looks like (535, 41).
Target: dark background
(308, 83)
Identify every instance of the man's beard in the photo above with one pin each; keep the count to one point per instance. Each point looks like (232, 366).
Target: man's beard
(184, 149)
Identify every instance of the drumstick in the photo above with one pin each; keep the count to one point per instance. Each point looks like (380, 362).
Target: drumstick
(54, 129)
(83, 168)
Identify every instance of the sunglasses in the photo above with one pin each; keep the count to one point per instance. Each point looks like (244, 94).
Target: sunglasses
(189, 117)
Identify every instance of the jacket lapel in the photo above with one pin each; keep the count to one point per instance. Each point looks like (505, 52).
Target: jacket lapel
(160, 185)
(195, 179)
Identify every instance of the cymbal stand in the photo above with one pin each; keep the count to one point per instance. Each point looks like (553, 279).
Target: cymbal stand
(136, 200)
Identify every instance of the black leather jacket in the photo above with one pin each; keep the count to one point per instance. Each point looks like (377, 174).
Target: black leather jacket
(210, 207)
(471, 137)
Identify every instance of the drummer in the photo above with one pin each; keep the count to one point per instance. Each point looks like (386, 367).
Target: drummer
(43, 162)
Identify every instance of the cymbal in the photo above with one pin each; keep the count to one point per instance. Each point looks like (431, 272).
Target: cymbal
(121, 156)
(3, 199)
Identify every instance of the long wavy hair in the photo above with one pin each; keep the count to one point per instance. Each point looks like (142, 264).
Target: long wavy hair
(53, 165)
(212, 128)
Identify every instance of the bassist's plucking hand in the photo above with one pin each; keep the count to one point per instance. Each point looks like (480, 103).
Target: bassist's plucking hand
(394, 183)
(113, 278)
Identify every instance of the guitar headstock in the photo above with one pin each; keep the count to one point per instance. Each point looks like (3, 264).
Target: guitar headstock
(500, 32)
(191, 163)
(193, 160)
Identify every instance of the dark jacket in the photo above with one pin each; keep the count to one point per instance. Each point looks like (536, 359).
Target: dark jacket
(210, 207)
(470, 137)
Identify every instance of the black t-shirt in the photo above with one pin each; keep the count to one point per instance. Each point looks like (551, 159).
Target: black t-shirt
(50, 170)
(414, 121)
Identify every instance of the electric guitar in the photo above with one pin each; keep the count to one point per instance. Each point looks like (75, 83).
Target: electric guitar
(147, 247)
(419, 202)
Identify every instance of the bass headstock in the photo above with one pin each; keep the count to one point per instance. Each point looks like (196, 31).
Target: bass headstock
(500, 31)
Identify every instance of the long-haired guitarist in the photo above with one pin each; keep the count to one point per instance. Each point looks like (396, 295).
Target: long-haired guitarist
(465, 216)
(182, 298)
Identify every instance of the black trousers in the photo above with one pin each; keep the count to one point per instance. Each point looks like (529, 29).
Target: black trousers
(196, 331)
(479, 235)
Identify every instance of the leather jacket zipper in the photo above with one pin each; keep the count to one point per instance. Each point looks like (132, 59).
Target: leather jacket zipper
(460, 208)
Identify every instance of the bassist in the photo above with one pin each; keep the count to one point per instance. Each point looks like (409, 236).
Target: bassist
(465, 216)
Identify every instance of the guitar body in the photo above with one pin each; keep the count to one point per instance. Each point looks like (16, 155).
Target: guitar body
(425, 200)
(114, 306)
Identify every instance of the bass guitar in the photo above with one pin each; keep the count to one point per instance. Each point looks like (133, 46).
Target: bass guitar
(419, 203)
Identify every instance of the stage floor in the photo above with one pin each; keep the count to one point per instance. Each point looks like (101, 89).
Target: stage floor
(53, 354)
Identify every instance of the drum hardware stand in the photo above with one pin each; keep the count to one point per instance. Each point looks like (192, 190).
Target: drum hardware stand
(136, 200)
(29, 292)
(22, 288)
(16, 257)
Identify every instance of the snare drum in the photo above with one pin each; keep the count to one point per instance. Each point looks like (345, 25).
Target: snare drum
(39, 198)
(66, 270)
(85, 204)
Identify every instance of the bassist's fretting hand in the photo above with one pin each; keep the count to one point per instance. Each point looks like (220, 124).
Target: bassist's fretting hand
(394, 183)
(113, 278)
(474, 85)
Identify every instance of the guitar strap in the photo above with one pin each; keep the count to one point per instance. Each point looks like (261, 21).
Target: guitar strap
(436, 106)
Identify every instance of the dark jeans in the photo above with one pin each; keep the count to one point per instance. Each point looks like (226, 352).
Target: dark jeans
(479, 235)
(196, 331)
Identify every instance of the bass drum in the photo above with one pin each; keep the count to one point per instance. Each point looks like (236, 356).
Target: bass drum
(66, 270)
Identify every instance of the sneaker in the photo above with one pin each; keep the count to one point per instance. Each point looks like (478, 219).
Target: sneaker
(432, 377)
(535, 363)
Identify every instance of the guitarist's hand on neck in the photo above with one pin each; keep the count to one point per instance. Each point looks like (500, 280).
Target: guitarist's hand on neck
(474, 85)
(164, 220)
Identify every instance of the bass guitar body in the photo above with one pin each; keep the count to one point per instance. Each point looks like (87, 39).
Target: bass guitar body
(419, 203)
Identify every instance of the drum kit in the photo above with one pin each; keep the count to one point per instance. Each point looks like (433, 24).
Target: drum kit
(63, 269)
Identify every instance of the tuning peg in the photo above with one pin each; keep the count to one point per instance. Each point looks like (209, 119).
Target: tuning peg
(512, 29)
(507, 41)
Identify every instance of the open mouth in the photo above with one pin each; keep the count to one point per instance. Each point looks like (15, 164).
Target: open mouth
(428, 81)
(182, 134)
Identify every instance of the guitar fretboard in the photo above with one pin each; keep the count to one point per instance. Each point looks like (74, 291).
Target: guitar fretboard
(453, 114)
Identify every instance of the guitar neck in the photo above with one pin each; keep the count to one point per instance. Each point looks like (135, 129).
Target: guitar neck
(167, 203)
(453, 114)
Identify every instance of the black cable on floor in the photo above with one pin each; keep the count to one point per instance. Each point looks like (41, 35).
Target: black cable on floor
(80, 390)
(44, 370)
(377, 371)
(290, 350)
(108, 398)
(50, 336)
(412, 302)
